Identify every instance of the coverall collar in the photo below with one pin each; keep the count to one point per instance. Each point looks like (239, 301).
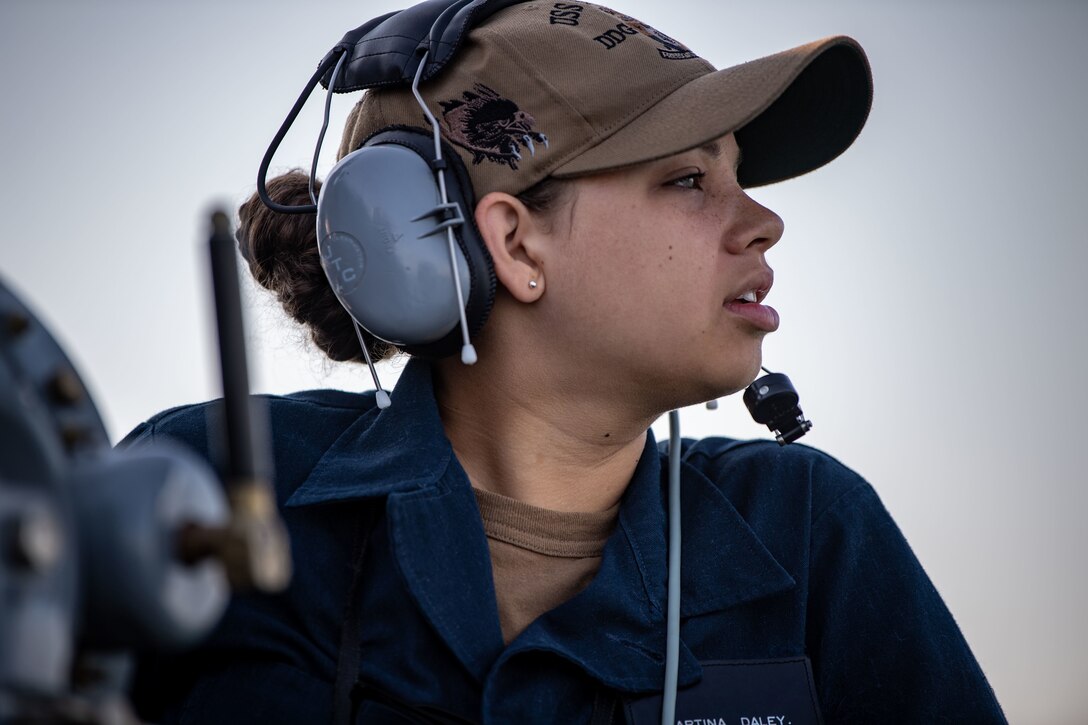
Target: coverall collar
(402, 453)
(402, 448)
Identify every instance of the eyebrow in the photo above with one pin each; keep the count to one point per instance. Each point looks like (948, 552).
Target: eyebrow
(714, 150)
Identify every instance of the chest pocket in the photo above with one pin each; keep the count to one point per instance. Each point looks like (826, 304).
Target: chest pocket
(740, 692)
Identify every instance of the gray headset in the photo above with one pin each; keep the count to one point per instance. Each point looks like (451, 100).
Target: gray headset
(381, 221)
(385, 207)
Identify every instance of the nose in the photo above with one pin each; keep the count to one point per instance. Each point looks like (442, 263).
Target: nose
(759, 227)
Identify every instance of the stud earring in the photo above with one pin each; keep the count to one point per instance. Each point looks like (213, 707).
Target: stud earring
(532, 284)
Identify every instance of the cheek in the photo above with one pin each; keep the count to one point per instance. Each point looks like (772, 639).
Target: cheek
(628, 258)
(604, 255)
(688, 264)
(623, 268)
(649, 296)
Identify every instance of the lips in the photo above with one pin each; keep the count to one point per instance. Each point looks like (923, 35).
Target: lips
(762, 317)
(746, 303)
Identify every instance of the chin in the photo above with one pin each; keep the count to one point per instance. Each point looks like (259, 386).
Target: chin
(718, 383)
(736, 372)
(704, 377)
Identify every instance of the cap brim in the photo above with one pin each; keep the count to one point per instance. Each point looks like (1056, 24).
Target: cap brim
(792, 112)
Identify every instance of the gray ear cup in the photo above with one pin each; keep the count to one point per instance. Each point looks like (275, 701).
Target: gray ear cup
(385, 266)
(386, 259)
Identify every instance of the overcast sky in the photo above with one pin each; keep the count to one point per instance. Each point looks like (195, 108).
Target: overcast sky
(929, 280)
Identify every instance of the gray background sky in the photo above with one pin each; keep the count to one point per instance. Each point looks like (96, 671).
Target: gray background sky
(929, 280)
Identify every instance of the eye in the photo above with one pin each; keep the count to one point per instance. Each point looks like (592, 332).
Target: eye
(693, 180)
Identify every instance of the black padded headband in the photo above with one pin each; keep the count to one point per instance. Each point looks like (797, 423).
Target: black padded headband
(386, 51)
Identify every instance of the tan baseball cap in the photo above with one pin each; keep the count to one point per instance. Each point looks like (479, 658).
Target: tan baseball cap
(567, 89)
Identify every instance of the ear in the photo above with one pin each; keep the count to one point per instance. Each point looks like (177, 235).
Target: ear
(514, 238)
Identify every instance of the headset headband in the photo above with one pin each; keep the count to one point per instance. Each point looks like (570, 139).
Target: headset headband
(386, 52)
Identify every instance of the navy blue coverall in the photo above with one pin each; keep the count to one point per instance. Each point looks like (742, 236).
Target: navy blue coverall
(786, 552)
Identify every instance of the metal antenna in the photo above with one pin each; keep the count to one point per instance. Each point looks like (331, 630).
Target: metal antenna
(382, 397)
(672, 612)
(450, 212)
(324, 128)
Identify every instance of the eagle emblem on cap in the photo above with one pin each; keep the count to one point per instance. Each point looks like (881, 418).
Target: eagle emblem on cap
(490, 126)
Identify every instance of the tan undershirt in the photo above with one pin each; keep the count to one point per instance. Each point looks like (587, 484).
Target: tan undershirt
(539, 558)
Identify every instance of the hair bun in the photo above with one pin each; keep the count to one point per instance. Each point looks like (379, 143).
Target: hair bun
(282, 253)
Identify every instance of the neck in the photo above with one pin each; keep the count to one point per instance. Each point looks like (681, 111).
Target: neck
(545, 442)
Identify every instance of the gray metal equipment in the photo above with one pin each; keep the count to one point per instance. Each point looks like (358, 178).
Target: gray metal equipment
(88, 564)
(106, 552)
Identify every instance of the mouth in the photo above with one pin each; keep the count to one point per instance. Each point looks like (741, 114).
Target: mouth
(748, 304)
(752, 296)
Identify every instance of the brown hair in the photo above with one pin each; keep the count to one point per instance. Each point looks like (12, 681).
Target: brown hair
(281, 250)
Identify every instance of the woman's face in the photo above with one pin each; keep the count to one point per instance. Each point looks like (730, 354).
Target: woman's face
(661, 270)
